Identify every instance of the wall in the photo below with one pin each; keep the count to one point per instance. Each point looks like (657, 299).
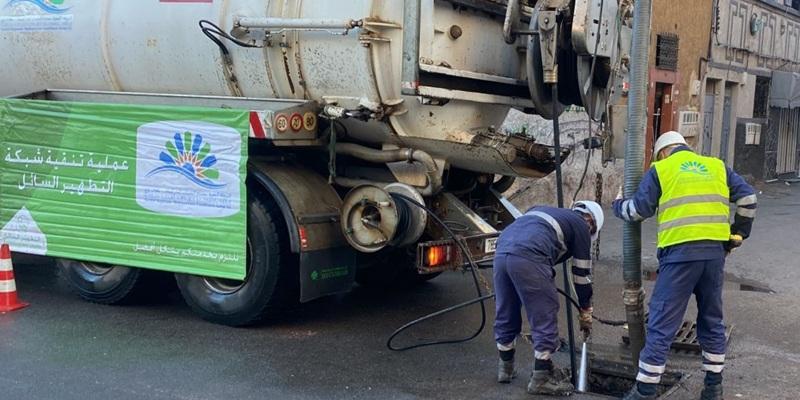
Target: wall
(753, 38)
(690, 20)
(750, 160)
(574, 128)
(774, 46)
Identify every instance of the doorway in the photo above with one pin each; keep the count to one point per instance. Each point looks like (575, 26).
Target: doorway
(708, 119)
(726, 125)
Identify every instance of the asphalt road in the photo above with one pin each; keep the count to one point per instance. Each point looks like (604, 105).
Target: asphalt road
(63, 348)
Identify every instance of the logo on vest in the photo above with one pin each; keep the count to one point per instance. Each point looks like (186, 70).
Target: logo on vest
(694, 167)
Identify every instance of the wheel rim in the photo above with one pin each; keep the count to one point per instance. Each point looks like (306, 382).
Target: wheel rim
(95, 268)
(230, 286)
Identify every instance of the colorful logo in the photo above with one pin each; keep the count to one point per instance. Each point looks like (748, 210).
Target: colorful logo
(188, 156)
(694, 167)
(48, 6)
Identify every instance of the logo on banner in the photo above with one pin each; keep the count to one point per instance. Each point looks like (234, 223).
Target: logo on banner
(187, 168)
(48, 6)
(188, 156)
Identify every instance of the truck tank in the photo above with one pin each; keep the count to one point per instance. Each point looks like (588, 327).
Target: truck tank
(333, 52)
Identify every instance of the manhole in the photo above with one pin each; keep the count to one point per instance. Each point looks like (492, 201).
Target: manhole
(612, 378)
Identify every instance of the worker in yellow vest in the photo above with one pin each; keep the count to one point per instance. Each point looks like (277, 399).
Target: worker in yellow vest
(690, 194)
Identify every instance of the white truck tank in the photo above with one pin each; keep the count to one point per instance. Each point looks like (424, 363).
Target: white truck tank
(156, 46)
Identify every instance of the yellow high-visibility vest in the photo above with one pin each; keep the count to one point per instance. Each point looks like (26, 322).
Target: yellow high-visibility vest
(694, 203)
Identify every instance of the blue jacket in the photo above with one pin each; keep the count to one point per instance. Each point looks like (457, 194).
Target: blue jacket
(549, 235)
(644, 204)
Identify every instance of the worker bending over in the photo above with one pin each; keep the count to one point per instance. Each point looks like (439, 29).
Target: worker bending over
(527, 251)
(691, 194)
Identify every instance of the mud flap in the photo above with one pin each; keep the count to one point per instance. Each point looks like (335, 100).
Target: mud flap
(326, 272)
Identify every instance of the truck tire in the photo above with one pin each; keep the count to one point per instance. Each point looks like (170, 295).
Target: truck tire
(271, 283)
(103, 283)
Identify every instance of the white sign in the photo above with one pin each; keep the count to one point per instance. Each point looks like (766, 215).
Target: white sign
(23, 234)
(189, 169)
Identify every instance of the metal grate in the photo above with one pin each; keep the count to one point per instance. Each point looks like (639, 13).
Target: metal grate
(686, 338)
(667, 51)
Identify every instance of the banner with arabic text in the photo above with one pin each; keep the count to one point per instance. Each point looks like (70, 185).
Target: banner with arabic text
(145, 186)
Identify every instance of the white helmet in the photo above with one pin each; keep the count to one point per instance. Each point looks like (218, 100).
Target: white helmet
(668, 139)
(593, 209)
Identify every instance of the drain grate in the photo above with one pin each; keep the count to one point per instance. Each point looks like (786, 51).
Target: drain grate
(686, 338)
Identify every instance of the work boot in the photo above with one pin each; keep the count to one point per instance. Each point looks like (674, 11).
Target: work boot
(545, 382)
(711, 392)
(505, 371)
(635, 395)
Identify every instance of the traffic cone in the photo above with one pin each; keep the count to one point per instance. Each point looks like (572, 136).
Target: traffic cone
(8, 287)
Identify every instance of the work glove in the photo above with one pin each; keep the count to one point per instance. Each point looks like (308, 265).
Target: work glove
(733, 243)
(585, 320)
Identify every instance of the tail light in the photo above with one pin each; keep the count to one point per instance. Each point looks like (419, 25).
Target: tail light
(437, 256)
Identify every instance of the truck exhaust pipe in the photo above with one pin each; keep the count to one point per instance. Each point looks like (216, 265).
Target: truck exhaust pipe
(633, 295)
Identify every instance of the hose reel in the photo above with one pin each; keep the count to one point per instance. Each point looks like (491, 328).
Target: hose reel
(580, 47)
(374, 217)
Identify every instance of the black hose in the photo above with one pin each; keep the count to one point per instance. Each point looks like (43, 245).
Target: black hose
(480, 299)
(473, 269)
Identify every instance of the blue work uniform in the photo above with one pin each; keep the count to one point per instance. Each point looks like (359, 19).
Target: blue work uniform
(527, 251)
(685, 269)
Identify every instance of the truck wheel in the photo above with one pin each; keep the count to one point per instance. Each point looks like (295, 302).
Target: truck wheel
(103, 283)
(271, 280)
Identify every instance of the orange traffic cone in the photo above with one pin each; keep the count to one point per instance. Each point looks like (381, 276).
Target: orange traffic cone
(8, 287)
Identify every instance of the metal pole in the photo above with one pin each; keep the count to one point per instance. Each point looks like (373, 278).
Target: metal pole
(411, 29)
(297, 23)
(633, 295)
(560, 201)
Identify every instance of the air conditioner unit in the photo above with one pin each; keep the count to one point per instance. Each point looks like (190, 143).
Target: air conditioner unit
(689, 123)
(752, 133)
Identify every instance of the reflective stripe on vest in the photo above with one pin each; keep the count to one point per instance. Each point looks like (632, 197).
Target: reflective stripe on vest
(556, 227)
(694, 203)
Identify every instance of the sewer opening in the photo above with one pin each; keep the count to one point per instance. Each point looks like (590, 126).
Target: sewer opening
(611, 378)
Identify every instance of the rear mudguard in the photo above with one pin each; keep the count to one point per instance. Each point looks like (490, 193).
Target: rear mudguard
(311, 209)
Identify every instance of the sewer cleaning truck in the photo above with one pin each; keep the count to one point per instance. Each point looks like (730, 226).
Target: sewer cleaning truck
(274, 152)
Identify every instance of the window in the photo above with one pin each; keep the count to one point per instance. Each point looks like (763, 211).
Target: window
(667, 51)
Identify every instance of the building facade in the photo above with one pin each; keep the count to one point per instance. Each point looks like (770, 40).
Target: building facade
(755, 47)
(714, 67)
(679, 41)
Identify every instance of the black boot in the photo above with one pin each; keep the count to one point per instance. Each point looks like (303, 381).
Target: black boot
(505, 367)
(544, 381)
(711, 392)
(634, 394)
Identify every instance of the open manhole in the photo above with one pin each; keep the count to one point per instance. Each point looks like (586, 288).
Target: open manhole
(612, 378)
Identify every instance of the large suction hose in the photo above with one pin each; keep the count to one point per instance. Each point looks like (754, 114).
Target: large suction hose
(633, 295)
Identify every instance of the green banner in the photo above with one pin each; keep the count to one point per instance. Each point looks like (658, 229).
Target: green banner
(144, 186)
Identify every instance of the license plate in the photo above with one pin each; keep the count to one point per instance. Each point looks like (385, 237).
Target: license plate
(490, 245)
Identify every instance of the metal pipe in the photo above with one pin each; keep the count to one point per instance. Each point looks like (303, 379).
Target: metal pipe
(297, 23)
(388, 156)
(560, 201)
(583, 370)
(411, 29)
(633, 295)
(512, 16)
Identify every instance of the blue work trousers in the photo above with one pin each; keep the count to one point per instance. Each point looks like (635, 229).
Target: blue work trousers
(520, 282)
(676, 282)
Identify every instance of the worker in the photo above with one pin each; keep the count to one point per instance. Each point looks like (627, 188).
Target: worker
(524, 275)
(691, 194)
